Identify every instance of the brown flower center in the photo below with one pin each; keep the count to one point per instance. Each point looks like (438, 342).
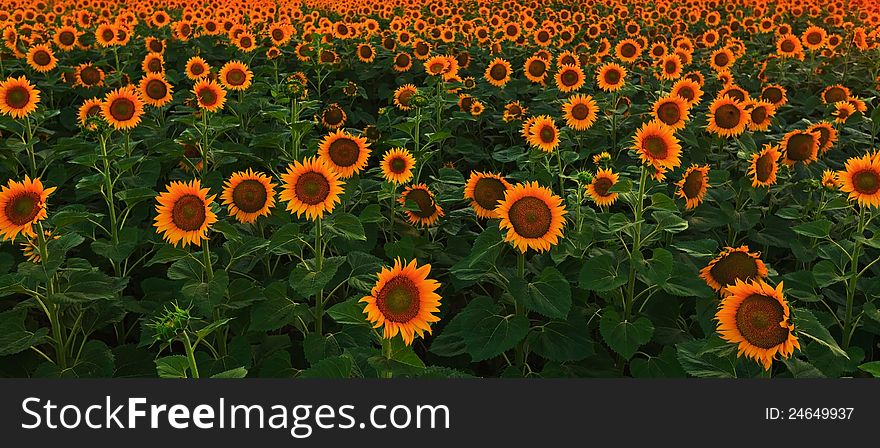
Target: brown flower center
(772, 94)
(312, 188)
(866, 182)
(122, 109)
(656, 147)
(236, 77)
(764, 167)
(733, 266)
(344, 152)
(601, 185)
(424, 202)
(787, 46)
(333, 116)
(537, 68)
(612, 76)
(488, 192)
(156, 89)
(250, 196)
(42, 58)
(835, 94)
(398, 301)
(693, 184)
(728, 116)
(758, 115)
(17, 97)
(547, 134)
(530, 217)
(628, 50)
(758, 319)
(669, 113)
(67, 38)
(498, 72)
(397, 165)
(188, 213)
(207, 96)
(23, 208)
(800, 147)
(154, 65)
(580, 111)
(569, 78)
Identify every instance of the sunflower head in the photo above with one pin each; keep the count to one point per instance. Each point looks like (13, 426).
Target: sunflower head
(764, 165)
(693, 185)
(543, 134)
(611, 77)
(184, 213)
(18, 97)
(485, 191)
(210, 96)
(397, 165)
(311, 187)
(122, 108)
(800, 147)
(733, 264)
(498, 72)
(861, 179)
(22, 204)
(421, 207)
(656, 145)
(569, 78)
(248, 195)
(672, 111)
(235, 75)
(155, 90)
(599, 186)
(533, 217)
(727, 117)
(403, 301)
(344, 153)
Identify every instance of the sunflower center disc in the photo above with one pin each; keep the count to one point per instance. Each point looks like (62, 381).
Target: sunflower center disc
(498, 72)
(758, 318)
(66, 38)
(656, 147)
(547, 135)
(333, 116)
(787, 46)
(814, 38)
(602, 185)
(188, 213)
(156, 89)
(399, 299)
(249, 196)
(763, 167)
(108, 35)
(670, 67)
(866, 182)
(344, 152)
(735, 265)
(773, 95)
(197, 69)
(122, 109)
(207, 96)
(312, 188)
(693, 184)
(155, 65)
(17, 97)
(423, 200)
(727, 116)
(834, 95)
(721, 60)
(537, 68)
(236, 77)
(398, 165)
(628, 50)
(580, 111)
(488, 192)
(404, 97)
(612, 77)
(686, 93)
(42, 58)
(531, 217)
(23, 208)
(569, 78)
(800, 147)
(758, 115)
(669, 113)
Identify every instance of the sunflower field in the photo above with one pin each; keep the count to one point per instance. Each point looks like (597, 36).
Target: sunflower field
(436, 189)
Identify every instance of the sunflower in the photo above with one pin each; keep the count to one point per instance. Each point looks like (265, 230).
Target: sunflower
(764, 165)
(535, 69)
(235, 75)
(727, 117)
(66, 38)
(403, 301)
(532, 215)
(41, 58)
(87, 75)
(800, 146)
(155, 90)
(721, 59)
(755, 316)
(671, 111)
(403, 95)
(514, 111)
(437, 65)
(346, 154)
(311, 187)
(248, 195)
(827, 135)
(732, 265)
(689, 90)
(670, 67)
(814, 38)
(485, 191)
(830, 180)
(22, 204)
(197, 68)
(580, 112)
(657, 145)
(842, 111)
(628, 50)
(210, 96)
(861, 179)
(693, 185)
(18, 97)
(789, 46)
(184, 213)
(366, 53)
(569, 78)
(498, 72)
(397, 165)
(598, 188)
(775, 95)
(542, 134)
(760, 114)
(122, 108)
(402, 62)
(105, 35)
(422, 208)
(90, 108)
(153, 63)
(333, 117)
(611, 77)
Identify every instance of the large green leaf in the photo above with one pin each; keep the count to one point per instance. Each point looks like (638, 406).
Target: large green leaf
(307, 281)
(490, 333)
(600, 274)
(624, 336)
(562, 340)
(14, 337)
(549, 293)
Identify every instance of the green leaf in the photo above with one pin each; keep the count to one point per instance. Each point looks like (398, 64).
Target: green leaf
(807, 325)
(285, 240)
(702, 363)
(175, 366)
(600, 274)
(814, 229)
(350, 312)
(490, 333)
(669, 222)
(403, 360)
(238, 372)
(623, 336)
(317, 347)
(307, 282)
(663, 366)
(872, 367)
(277, 311)
(348, 226)
(622, 186)
(14, 337)
(335, 367)
(562, 340)
(548, 294)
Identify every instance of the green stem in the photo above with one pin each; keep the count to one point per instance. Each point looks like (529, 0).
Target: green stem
(319, 266)
(205, 143)
(561, 174)
(520, 309)
(52, 310)
(637, 243)
(190, 356)
(30, 148)
(393, 206)
(386, 353)
(853, 280)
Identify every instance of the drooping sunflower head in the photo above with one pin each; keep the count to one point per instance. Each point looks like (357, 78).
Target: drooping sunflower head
(403, 96)
(155, 90)
(598, 188)
(311, 187)
(485, 191)
(861, 179)
(732, 265)
(498, 72)
(248, 195)
(542, 134)
(764, 165)
(22, 204)
(333, 117)
(235, 75)
(41, 58)
(532, 215)
(397, 165)
(656, 145)
(184, 213)
(403, 301)
(693, 185)
(420, 206)
(672, 111)
(18, 97)
(580, 112)
(800, 147)
(842, 111)
(197, 68)
(611, 77)
(755, 316)
(344, 153)
(569, 78)
(122, 108)
(727, 117)
(210, 96)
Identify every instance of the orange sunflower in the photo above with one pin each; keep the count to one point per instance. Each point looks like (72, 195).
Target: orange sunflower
(693, 185)
(403, 301)
(41, 58)
(311, 188)
(122, 108)
(775, 95)
(535, 69)
(18, 97)
(611, 77)
(580, 112)
(155, 90)
(827, 135)
(235, 75)
(210, 96)
(90, 108)
(542, 134)
(656, 145)
(397, 165)
(485, 191)
(532, 215)
(344, 153)
(764, 165)
(498, 72)
(672, 111)
(248, 195)
(569, 78)
(422, 209)
(184, 213)
(403, 95)
(755, 316)
(861, 179)
(732, 265)
(599, 186)
(687, 89)
(842, 111)
(727, 117)
(760, 115)
(333, 117)
(22, 204)
(197, 68)
(800, 146)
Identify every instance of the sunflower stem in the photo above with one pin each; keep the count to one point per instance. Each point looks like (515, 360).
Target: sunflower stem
(108, 196)
(391, 218)
(520, 358)
(190, 355)
(319, 266)
(30, 148)
(53, 310)
(386, 353)
(853, 280)
(637, 242)
(561, 174)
